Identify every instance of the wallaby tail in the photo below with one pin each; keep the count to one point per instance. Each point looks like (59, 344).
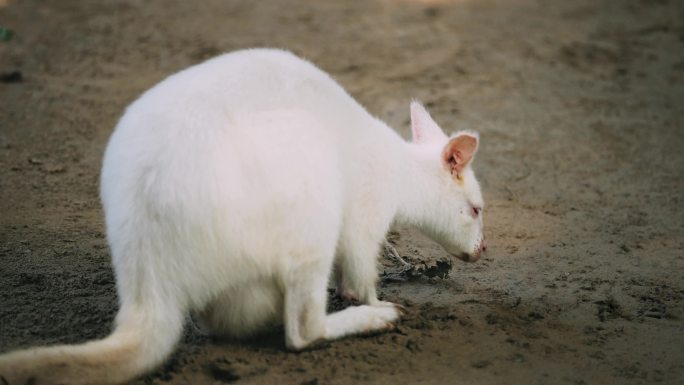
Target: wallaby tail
(140, 342)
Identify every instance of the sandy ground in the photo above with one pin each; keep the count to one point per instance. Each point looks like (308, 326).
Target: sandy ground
(580, 107)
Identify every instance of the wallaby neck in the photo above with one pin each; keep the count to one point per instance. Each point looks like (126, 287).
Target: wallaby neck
(420, 184)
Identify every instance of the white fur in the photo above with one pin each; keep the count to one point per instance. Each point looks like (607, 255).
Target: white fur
(231, 189)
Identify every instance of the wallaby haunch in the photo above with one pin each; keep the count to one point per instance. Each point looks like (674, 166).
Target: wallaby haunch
(234, 188)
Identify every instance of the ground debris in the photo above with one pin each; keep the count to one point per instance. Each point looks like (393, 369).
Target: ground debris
(11, 77)
(222, 370)
(438, 269)
(608, 309)
(426, 268)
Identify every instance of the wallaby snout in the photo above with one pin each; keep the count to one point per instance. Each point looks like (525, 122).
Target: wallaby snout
(475, 256)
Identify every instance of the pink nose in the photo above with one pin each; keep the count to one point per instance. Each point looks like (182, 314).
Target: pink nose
(481, 249)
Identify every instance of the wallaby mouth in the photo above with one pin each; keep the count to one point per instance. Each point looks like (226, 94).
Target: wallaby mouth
(467, 257)
(481, 249)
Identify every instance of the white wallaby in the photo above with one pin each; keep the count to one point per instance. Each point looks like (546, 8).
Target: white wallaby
(233, 188)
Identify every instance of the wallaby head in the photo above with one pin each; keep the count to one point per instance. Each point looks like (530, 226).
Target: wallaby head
(454, 213)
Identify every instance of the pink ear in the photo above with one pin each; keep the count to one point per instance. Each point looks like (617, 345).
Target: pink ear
(424, 129)
(459, 152)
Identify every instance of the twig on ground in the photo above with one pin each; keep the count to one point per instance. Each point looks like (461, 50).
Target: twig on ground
(392, 252)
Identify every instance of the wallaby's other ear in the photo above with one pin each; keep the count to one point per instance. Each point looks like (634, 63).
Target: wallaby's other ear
(424, 129)
(459, 152)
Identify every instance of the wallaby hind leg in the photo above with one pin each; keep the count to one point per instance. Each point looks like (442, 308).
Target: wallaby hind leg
(244, 311)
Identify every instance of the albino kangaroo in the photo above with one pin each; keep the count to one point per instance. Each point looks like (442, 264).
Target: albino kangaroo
(232, 188)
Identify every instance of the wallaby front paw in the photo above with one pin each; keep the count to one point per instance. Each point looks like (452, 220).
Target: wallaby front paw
(400, 308)
(387, 316)
(379, 303)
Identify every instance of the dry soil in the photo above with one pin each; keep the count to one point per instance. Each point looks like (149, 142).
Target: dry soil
(580, 108)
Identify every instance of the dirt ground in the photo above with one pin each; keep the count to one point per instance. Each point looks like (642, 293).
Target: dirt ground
(580, 106)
